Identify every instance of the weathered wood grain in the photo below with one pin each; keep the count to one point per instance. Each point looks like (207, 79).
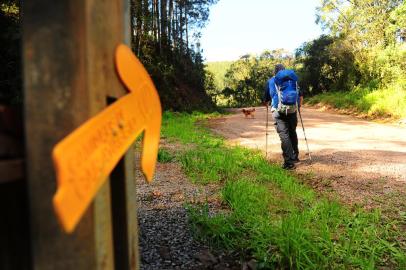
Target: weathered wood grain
(68, 59)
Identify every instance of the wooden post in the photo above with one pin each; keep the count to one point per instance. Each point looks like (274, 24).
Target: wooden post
(69, 74)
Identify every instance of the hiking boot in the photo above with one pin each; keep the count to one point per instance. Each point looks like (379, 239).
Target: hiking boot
(288, 166)
(296, 160)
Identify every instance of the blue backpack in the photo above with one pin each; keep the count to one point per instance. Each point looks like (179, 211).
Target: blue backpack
(287, 90)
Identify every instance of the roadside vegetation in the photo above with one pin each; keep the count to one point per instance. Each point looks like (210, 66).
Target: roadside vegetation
(361, 64)
(388, 102)
(271, 216)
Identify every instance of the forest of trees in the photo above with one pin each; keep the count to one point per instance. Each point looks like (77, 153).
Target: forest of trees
(364, 51)
(166, 38)
(365, 47)
(214, 80)
(244, 80)
(241, 83)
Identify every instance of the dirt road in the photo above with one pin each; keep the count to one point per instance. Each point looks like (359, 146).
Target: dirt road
(360, 161)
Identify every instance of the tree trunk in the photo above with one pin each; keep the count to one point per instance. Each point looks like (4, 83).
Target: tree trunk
(181, 23)
(136, 21)
(170, 21)
(164, 22)
(153, 20)
(158, 28)
(175, 27)
(186, 31)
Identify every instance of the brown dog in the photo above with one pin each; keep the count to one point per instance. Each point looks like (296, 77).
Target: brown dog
(248, 112)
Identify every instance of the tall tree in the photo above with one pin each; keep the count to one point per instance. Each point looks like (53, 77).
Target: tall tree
(162, 31)
(365, 35)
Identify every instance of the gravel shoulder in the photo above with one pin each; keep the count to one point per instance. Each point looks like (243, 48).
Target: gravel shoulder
(359, 162)
(165, 238)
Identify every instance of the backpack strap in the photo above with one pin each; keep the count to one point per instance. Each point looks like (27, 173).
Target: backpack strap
(278, 91)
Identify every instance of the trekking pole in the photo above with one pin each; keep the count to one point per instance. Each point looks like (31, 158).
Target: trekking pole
(266, 134)
(304, 133)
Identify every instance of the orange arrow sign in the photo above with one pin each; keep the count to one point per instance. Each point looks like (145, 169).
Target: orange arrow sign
(85, 158)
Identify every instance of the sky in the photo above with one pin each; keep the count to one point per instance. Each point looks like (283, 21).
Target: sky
(238, 27)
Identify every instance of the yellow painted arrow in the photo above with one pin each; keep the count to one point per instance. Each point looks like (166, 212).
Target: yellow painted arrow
(85, 158)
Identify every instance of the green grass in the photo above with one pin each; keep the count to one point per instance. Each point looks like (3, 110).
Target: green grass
(181, 127)
(164, 156)
(385, 102)
(274, 218)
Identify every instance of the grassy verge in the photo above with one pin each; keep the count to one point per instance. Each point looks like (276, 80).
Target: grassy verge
(274, 218)
(388, 102)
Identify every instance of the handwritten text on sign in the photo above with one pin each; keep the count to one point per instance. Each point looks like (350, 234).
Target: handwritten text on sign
(85, 158)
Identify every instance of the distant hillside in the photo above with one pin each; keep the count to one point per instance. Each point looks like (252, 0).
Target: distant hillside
(219, 69)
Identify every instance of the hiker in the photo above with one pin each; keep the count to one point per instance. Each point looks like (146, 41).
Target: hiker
(286, 99)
